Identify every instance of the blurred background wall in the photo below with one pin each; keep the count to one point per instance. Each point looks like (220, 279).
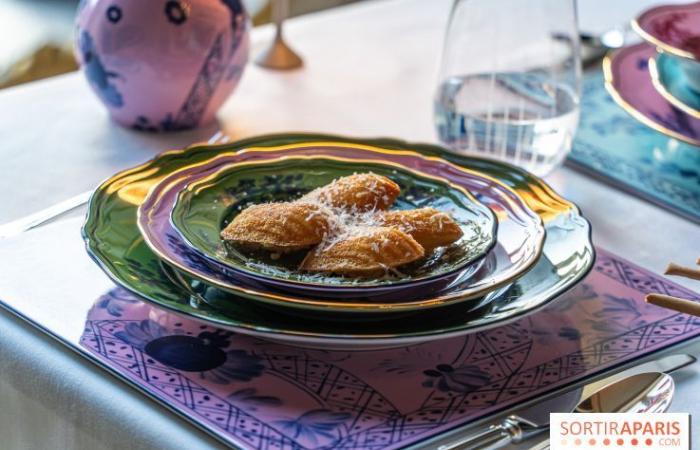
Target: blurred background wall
(36, 35)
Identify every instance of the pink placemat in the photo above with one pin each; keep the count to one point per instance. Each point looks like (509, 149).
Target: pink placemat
(259, 395)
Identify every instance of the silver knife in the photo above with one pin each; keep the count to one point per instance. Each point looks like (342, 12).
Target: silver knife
(31, 221)
(55, 211)
(534, 419)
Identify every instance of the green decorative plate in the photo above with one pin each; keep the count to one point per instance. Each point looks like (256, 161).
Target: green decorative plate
(205, 207)
(114, 241)
(520, 238)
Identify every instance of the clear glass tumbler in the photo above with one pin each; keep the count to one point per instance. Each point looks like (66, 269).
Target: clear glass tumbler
(509, 82)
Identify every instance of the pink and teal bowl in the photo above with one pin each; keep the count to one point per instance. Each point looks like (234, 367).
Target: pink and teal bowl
(162, 65)
(674, 30)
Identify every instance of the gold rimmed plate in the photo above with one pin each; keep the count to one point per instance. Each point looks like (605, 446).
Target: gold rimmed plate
(671, 82)
(519, 237)
(113, 240)
(203, 208)
(628, 81)
(675, 29)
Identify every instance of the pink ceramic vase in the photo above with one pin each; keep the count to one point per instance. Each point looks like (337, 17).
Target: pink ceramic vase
(162, 65)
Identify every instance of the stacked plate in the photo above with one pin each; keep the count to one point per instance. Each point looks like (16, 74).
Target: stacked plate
(658, 80)
(155, 230)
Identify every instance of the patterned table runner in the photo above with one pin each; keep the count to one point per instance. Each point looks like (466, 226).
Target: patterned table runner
(261, 395)
(613, 146)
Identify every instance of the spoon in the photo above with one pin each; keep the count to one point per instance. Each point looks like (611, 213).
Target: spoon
(650, 392)
(645, 392)
(642, 392)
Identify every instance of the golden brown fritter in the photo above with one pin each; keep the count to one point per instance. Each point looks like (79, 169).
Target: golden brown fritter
(362, 192)
(428, 226)
(278, 227)
(368, 252)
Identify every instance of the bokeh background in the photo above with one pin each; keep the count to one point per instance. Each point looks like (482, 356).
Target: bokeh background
(36, 35)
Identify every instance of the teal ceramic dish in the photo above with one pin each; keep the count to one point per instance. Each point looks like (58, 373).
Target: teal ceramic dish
(205, 207)
(673, 30)
(113, 240)
(672, 83)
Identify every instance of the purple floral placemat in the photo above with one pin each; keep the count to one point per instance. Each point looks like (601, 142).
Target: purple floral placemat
(261, 395)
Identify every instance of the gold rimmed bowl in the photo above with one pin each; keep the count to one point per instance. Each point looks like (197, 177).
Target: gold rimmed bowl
(673, 84)
(632, 87)
(203, 208)
(674, 30)
(182, 217)
(113, 240)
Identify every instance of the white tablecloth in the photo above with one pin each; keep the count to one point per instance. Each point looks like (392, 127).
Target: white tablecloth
(369, 70)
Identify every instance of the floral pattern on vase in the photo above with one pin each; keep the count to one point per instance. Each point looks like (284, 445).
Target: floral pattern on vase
(162, 66)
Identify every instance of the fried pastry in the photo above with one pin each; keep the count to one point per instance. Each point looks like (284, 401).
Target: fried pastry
(361, 192)
(278, 227)
(428, 226)
(367, 252)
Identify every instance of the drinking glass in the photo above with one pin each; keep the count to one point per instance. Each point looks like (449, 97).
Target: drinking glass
(509, 82)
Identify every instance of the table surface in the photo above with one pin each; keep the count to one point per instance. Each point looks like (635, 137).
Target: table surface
(372, 74)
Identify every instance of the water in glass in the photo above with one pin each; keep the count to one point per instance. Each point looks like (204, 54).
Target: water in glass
(510, 80)
(527, 120)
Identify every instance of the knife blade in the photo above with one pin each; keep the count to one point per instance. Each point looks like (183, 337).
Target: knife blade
(57, 210)
(38, 218)
(531, 420)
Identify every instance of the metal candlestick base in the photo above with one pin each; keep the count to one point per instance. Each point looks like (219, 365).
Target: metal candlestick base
(279, 56)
